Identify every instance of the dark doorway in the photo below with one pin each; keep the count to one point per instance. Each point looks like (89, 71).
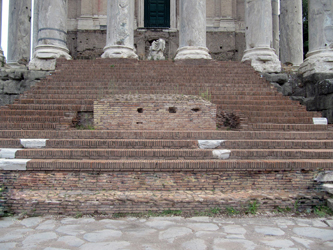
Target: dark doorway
(157, 13)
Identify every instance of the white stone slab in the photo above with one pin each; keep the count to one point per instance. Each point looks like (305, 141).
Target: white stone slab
(319, 121)
(13, 164)
(328, 188)
(8, 153)
(33, 143)
(209, 144)
(221, 154)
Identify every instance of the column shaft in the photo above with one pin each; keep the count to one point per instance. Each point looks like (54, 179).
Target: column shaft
(120, 30)
(259, 38)
(2, 58)
(192, 32)
(291, 32)
(52, 34)
(18, 52)
(320, 56)
(276, 26)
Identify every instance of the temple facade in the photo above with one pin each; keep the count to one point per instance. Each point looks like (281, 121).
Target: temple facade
(247, 30)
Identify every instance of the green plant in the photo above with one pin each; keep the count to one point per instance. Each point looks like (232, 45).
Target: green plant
(206, 95)
(282, 210)
(231, 210)
(322, 211)
(112, 66)
(296, 206)
(78, 215)
(252, 207)
(171, 212)
(215, 210)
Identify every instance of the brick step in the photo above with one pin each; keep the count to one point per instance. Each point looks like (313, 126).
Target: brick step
(322, 134)
(37, 119)
(188, 91)
(127, 200)
(261, 108)
(286, 127)
(51, 113)
(174, 144)
(177, 165)
(280, 114)
(280, 120)
(32, 126)
(172, 154)
(50, 107)
(259, 102)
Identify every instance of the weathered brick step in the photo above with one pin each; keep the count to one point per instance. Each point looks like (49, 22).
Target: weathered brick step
(322, 134)
(37, 119)
(13, 112)
(286, 127)
(171, 154)
(122, 144)
(280, 114)
(280, 120)
(264, 108)
(261, 102)
(177, 165)
(167, 154)
(30, 126)
(277, 144)
(51, 107)
(56, 101)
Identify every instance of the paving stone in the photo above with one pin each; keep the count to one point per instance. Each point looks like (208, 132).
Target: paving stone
(319, 223)
(200, 219)
(234, 229)
(323, 234)
(15, 234)
(47, 225)
(36, 239)
(196, 244)
(6, 222)
(52, 248)
(220, 243)
(7, 246)
(269, 231)
(77, 221)
(70, 229)
(115, 245)
(208, 234)
(235, 236)
(278, 243)
(71, 241)
(284, 222)
(304, 242)
(203, 226)
(160, 224)
(329, 222)
(142, 232)
(174, 232)
(31, 222)
(102, 235)
(329, 244)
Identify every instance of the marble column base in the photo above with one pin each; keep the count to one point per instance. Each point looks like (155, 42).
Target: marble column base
(45, 57)
(320, 61)
(119, 51)
(192, 52)
(2, 59)
(263, 60)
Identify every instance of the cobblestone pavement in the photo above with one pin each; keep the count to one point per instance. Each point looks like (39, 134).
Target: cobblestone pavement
(196, 233)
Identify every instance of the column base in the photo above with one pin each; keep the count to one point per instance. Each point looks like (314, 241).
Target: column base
(45, 57)
(192, 52)
(263, 60)
(118, 51)
(319, 61)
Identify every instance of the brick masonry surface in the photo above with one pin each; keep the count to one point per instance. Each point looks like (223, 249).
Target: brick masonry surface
(154, 112)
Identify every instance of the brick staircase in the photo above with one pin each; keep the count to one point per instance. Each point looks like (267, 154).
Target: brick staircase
(271, 158)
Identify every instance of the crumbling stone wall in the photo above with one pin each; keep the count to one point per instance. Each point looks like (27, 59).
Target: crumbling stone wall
(154, 112)
(14, 82)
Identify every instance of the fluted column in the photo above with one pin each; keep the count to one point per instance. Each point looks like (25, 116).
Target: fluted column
(192, 32)
(2, 58)
(52, 34)
(259, 38)
(320, 56)
(120, 30)
(18, 52)
(291, 32)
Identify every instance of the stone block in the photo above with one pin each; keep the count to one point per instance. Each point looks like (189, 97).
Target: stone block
(33, 143)
(209, 144)
(13, 164)
(277, 86)
(221, 154)
(12, 87)
(16, 74)
(324, 87)
(328, 188)
(35, 74)
(287, 89)
(330, 203)
(278, 78)
(326, 176)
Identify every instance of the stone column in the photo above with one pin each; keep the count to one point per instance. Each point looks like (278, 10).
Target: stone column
(320, 56)
(120, 30)
(52, 34)
(291, 32)
(258, 19)
(18, 53)
(276, 26)
(2, 58)
(35, 25)
(192, 32)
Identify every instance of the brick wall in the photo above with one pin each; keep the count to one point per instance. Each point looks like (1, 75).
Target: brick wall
(154, 112)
